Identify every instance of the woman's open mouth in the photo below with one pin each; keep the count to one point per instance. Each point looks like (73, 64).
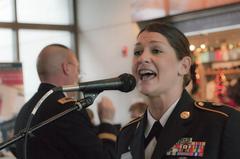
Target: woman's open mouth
(146, 74)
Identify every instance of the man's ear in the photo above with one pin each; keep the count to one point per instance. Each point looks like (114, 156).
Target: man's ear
(185, 65)
(65, 68)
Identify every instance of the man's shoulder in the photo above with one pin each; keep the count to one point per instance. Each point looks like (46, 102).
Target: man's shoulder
(65, 100)
(127, 132)
(58, 99)
(132, 124)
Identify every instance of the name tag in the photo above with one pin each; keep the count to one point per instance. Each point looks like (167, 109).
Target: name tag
(126, 155)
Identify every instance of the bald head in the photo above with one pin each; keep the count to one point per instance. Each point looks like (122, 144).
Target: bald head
(53, 64)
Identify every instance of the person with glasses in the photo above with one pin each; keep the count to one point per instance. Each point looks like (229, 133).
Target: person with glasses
(73, 136)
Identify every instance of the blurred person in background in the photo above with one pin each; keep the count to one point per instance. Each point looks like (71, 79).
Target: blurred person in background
(137, 109)
(106, 112)
(106, 109)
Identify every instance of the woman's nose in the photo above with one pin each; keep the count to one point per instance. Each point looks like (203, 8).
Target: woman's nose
(145, 57)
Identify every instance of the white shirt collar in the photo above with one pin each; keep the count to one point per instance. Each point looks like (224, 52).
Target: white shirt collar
(163, 119)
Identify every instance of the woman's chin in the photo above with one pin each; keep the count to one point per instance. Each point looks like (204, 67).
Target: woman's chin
(145, 91)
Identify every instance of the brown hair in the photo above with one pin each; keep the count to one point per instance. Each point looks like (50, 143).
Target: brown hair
(233, 92)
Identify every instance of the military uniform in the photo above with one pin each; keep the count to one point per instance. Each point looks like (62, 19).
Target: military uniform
(70, 137)
(196, 130)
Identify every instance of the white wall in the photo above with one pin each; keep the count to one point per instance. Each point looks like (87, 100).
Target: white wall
(105, 28)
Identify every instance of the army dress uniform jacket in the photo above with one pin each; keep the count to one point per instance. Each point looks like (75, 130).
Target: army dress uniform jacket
(194, 130)
(70, 137)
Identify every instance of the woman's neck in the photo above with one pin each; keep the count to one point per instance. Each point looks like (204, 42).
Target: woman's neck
(159, 105)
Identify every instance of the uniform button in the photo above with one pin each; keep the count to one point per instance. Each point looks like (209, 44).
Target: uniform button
(185, 115)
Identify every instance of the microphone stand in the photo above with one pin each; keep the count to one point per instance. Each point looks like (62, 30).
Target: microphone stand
(79, 105)
(34, 111)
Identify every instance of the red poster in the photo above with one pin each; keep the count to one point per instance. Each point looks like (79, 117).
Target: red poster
(11, 90)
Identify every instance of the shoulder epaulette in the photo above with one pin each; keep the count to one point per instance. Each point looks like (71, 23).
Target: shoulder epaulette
(108, 136)
(204, 106)
(65, 100)
(132, 122)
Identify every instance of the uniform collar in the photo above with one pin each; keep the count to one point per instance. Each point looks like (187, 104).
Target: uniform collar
(169, 136)
(44, 87)
(163, 119)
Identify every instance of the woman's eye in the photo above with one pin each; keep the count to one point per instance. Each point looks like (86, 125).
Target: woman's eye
(156, 51)
(137, 52)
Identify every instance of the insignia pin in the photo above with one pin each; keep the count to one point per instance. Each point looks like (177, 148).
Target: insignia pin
(200, 103)
(185, 115)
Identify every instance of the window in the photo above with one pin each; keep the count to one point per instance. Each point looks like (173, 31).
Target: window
(6, 45)
(45, 11)
(31, 43)
(35, 25)
(7, 11)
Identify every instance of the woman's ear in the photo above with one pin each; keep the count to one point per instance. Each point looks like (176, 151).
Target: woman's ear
(185, 65)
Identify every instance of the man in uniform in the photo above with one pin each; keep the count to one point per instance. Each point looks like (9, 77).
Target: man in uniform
(72, 136)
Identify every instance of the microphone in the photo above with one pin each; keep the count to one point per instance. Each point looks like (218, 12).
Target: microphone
(125, 83)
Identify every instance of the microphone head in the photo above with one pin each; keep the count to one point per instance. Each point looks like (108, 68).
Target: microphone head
(129, 82)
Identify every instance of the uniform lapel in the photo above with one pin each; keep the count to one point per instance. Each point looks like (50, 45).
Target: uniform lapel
(137, 144)
(176, 127)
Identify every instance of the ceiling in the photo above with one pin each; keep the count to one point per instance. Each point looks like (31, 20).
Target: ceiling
(151, 9)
